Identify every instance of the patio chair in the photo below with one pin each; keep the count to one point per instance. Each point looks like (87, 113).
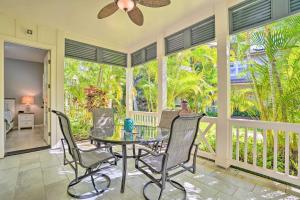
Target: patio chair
(166, 118)
(90, 160)
(177, 155)
(165, 123)
(103, 121)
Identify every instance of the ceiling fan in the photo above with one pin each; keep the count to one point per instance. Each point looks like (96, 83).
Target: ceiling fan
(130, 7)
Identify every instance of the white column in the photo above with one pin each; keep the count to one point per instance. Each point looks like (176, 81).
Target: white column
(2, 132)
(129, 86)
(162, 75)
(57, 86)
(223, 47)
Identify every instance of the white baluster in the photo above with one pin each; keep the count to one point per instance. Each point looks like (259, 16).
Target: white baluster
(237, 144)
(287, 153)
(265, 149)
(275, 150)
(246, 146)
(254, 147)
(298, 154)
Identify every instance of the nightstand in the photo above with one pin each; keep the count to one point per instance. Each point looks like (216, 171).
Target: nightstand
(25, 120)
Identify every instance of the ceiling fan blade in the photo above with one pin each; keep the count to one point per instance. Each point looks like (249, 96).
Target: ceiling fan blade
(154, 3)
(136, 16)
(108, 10)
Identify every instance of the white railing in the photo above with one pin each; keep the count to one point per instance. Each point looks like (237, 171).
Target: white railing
(255, 156)
(263, 134)
(207, 128)
(144, 118)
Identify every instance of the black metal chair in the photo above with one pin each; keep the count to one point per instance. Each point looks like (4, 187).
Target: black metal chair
(103, 121)
(104, 125)
(166, 118)
(165, 123)
(91, 160)
(182, 137)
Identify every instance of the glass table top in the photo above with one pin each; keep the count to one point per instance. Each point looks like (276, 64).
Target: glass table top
(140, 134)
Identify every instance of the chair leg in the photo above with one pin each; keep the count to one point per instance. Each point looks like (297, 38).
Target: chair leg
(93, 182)
(133, 151)
(178, 186)
(172, 182)
(116, 159)
(146, 185)
(91, 194)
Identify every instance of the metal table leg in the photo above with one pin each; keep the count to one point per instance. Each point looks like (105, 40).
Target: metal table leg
(124, 170)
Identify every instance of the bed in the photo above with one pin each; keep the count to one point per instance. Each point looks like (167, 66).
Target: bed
(9, 114)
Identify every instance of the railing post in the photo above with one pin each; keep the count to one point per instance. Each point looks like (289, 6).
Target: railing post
(129, 86)
(223, 141)
(162, 76)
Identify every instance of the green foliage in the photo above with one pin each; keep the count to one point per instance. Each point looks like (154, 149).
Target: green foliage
(80, 75)
(192, 74)
(273, 94)
(274, 71)
(145, 82)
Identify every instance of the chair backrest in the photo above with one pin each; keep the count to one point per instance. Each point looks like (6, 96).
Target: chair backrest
(183, 133)
(167, 116)
(65, 127)
(103, 120)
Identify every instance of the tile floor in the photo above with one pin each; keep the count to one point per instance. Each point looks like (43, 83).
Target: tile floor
(41, 175)
(24, 139)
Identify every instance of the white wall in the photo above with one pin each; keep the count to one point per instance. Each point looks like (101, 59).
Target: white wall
(14, 31)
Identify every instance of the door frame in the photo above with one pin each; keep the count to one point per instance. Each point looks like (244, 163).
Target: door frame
(47, 93)
(53, 82)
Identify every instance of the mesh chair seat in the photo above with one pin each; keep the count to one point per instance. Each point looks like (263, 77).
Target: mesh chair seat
(92, 158)
(154, 162)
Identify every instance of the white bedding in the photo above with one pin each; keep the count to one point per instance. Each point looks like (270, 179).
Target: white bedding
(8, 116)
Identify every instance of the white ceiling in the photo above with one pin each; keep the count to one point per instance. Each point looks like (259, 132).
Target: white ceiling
(19, 52)
(79, 17)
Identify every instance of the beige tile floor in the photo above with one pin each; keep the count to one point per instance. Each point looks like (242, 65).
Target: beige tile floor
(41, 175)
(24, 139)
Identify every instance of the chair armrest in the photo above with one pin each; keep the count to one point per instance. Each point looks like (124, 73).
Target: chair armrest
(164, 160)
(94, 149)
(155, 154)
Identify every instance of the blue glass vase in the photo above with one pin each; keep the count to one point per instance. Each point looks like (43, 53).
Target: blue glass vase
(128, 125)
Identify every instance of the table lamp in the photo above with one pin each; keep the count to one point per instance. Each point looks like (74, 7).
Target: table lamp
(27, 100)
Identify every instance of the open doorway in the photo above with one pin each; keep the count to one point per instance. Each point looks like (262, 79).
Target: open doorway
(26, 98)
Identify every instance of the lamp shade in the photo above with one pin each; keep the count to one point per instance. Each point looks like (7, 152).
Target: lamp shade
(27, 100)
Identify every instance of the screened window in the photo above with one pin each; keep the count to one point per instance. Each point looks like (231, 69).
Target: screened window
(82, 77)
(192, 75)
(145, 87)
(265, 60)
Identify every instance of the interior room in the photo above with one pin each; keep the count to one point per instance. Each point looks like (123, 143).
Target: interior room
(23, 98)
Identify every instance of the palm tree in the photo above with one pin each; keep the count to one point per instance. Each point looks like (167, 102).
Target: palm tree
(192, 75)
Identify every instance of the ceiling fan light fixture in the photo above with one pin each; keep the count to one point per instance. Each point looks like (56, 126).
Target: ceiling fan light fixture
(126, 5)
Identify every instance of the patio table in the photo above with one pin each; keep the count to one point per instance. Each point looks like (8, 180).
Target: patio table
(118, 136)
